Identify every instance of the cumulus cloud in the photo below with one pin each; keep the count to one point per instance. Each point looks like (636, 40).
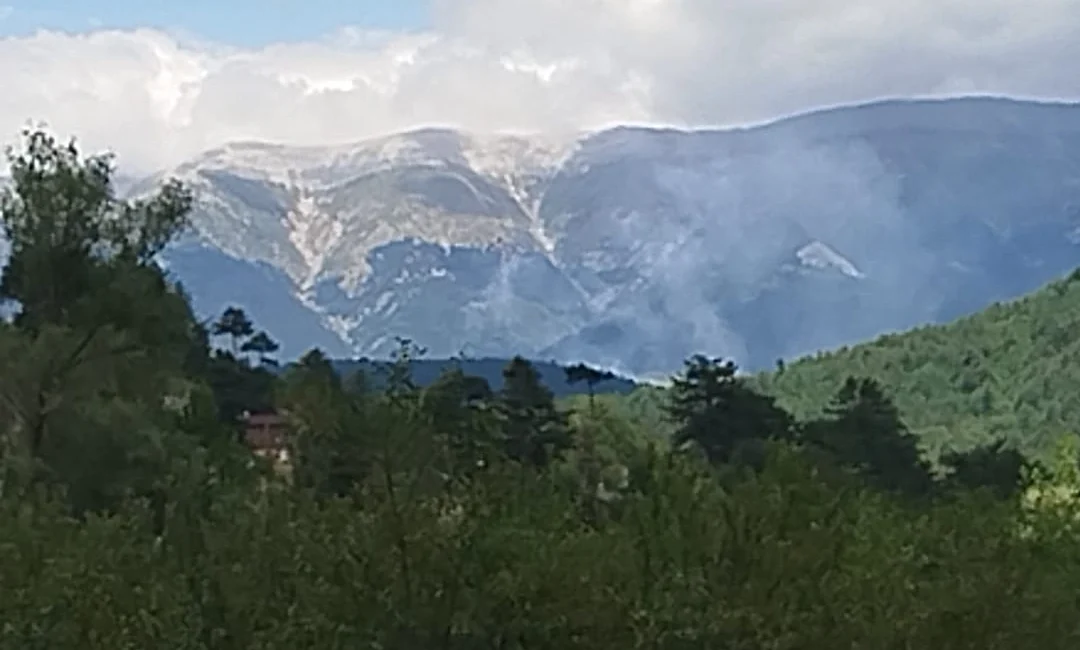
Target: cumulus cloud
(528, 65)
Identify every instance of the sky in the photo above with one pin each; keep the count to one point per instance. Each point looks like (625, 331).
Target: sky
(247, 23)
(159, 82)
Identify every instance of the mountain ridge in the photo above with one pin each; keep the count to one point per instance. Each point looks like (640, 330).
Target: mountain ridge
(582, 250)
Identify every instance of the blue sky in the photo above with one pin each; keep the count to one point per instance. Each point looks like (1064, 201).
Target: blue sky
(236, 22)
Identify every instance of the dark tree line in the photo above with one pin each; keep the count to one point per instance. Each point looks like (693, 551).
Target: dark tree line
(861, 433)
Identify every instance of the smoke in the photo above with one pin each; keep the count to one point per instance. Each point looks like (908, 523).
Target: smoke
(732, 218)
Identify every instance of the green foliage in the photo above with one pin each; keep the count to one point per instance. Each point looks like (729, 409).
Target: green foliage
(582, 373)
(778, 559)
(261, 345)
(864, 433)
(235, 324)
(1005, 374)
(102, 341)
(237, 386)
(719, 413)
(535, 431)
(71, 239)
(1001, 469)
(328, 427)
(424, 371)
(457, 409)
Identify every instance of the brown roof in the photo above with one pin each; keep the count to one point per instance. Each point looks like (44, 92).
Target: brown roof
(264, 430)
(263, 418)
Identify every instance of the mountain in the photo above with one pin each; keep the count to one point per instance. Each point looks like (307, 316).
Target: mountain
(1008, 372)
(633, 247)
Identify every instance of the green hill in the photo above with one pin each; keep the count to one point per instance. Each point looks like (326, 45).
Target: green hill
(1011, 371)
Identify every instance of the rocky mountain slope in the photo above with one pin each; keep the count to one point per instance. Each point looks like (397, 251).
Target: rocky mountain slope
(634, 247)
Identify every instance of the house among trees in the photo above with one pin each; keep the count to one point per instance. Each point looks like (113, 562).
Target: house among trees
(265, 433)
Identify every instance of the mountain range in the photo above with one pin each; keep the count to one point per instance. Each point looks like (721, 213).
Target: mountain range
(632, 247)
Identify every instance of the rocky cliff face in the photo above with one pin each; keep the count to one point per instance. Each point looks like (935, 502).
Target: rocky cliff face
(633, 248)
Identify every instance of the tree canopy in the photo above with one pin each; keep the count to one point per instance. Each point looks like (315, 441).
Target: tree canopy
(1003, 374)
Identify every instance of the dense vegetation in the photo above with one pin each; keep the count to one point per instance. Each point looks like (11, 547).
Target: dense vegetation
(455, 515)
(1008, 373)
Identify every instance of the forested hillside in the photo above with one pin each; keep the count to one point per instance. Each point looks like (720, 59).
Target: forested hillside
(1009, 372)
(139, 508)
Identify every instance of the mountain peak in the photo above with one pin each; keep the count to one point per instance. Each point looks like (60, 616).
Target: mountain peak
(817, 255)
(641, 245)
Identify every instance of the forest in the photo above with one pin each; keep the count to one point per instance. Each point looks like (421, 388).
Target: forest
(919, 491)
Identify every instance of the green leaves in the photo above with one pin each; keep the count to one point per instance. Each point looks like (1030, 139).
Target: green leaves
(718, 412)
(535, 432)
(864, 434)
(101, 337)
(772, 559)
(1006, 373)
(69, 233)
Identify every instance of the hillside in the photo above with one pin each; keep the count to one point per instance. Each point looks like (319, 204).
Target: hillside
(632, 248)
(1010, 371)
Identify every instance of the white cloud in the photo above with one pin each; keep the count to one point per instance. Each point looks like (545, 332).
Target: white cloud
(488, 65)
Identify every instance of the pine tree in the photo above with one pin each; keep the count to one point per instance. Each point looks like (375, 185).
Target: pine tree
(327, 425)
(535, 432)
(864, 433)
(996, 466)
(719, 413)
(235, 324)
(456, 406)
(590, 376)
(262, 346)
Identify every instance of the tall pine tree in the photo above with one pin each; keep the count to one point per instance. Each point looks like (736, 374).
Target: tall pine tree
(718, 412)
(864, 433)
(535, 431)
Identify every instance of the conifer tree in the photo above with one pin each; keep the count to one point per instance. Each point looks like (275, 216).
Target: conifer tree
(590, 376)
(535, 432)
(719, 413)
(326, 425)
(996, 466)
(457, 408)
(261, 346)
(235, 324)
(864, 433)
